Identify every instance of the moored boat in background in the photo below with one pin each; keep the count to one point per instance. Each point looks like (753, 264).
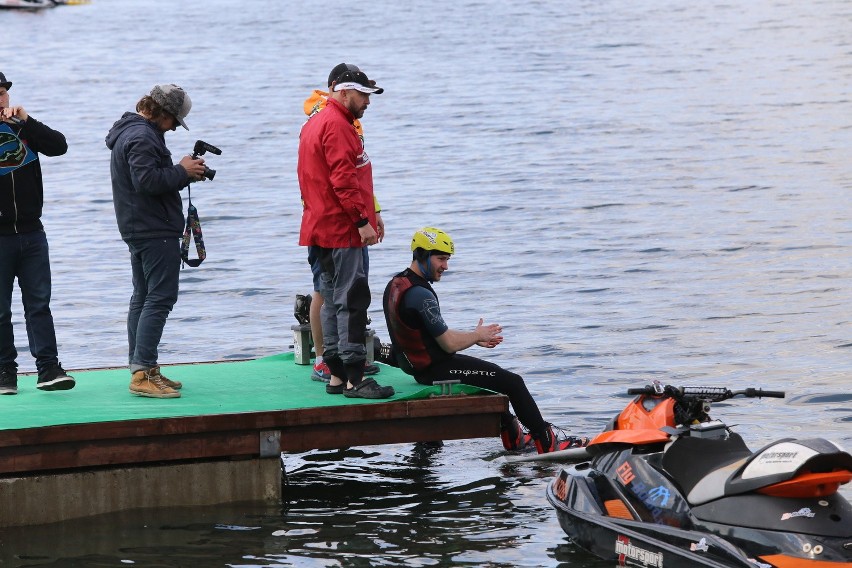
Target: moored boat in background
(27, 4)
(37, 4)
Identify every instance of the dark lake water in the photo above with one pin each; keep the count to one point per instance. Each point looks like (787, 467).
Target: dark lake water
(638, 190)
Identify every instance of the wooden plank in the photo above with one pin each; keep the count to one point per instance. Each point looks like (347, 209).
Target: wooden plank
(306, 438)
(98, 453)
(238, 435)
(439, 406)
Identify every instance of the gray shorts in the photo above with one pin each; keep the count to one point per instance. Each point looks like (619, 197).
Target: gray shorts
(316, 269)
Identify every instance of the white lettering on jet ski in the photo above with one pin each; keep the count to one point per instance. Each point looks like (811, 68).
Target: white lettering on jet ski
(783, 457)
(803, 512)
(776, 456)
(626, 550)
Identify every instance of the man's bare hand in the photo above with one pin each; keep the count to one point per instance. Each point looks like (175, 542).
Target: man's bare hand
(488, 335)
(194, 167)
(380, 226)
(13, 114)
(368, 235)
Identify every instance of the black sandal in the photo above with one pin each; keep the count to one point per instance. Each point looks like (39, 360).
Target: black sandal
(369, 388)
(335, 389)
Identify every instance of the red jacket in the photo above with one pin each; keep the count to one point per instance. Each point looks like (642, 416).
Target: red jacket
(335, 178)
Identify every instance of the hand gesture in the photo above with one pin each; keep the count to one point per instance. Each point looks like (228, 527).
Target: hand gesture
(488, 335)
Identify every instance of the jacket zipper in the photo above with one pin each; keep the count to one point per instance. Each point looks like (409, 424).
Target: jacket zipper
(14, 204)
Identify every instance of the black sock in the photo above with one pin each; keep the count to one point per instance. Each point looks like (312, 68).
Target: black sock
(354, 372)
(335, 365)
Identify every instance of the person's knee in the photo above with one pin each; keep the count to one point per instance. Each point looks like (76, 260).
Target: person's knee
(513, 383)
(162, 299)
(358, 300)
(316, 305)
(358, 296)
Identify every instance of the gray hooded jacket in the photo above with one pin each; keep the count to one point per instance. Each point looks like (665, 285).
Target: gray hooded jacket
(145, 183)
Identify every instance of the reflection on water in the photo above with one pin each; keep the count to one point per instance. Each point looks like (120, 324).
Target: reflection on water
(404, 505)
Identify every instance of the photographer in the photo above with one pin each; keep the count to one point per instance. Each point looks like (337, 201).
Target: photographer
(146, 195)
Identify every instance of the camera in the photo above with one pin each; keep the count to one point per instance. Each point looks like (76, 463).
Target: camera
(201, 147)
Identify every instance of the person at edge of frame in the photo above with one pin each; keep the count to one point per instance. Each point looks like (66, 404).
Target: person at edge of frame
(24, 252)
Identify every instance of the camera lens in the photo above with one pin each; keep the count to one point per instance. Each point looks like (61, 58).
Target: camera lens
(208, 173)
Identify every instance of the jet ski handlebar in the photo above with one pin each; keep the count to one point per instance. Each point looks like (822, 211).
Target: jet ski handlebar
(760, 393)
(714, 394)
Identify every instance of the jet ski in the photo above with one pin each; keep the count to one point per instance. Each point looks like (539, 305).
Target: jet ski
(665, 485)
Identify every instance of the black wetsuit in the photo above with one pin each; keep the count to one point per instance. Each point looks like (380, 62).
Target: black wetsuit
(414, 319)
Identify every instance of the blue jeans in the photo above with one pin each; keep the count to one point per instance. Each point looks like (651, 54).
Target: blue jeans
(26, 257)
(156, 274)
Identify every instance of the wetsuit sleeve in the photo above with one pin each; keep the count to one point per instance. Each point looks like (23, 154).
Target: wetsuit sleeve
(426, 305)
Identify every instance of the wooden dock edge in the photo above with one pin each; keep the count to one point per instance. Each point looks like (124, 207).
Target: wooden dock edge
(57, 473)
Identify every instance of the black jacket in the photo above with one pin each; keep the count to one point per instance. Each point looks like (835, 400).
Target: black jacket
(145, 183)
(21, 190)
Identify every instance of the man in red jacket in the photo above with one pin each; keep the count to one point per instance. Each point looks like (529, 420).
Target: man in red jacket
(338, 220)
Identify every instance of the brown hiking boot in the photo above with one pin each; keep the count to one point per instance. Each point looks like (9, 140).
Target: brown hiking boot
(150, 383)
(177, 385)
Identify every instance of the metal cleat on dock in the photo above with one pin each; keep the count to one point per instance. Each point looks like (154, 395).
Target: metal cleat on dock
(447, 388)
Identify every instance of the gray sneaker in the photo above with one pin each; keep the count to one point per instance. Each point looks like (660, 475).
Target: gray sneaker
(8, 379)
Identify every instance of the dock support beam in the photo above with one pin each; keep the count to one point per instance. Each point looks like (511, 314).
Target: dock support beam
(39, 499)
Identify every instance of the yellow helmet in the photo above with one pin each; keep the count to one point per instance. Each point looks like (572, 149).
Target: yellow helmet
(432, 239)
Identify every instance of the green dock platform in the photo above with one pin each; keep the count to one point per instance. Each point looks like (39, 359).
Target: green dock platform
(97, 448)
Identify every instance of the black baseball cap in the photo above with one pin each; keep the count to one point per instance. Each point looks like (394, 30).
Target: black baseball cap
(4, 83)
(348, 76)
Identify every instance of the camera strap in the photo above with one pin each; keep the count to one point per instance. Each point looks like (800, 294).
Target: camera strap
(193, 227)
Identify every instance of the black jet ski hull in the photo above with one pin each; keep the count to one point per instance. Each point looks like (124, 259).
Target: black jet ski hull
(577, 495)
(635, 543)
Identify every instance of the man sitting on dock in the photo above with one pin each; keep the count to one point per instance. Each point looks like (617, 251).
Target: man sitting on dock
(425, 347)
